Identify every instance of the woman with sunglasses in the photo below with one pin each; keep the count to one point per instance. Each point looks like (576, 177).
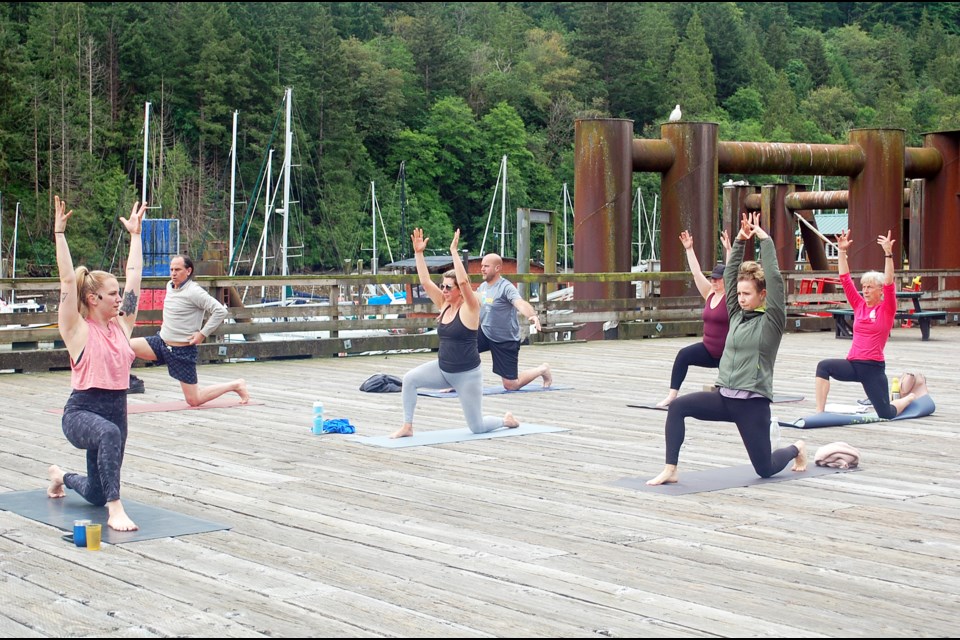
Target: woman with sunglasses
(95, 321)
(458, 362)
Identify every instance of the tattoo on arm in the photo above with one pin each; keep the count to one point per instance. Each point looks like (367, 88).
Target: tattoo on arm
(129, 303)
(63, 296)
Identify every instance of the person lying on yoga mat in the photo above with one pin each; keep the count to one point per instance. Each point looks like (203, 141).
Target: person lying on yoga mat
(182, 329)
(756, 303)
(96, 319)
(873, 315)
(716, 322)
(458, 363)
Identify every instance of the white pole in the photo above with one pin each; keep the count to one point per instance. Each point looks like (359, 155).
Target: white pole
(653, 230)
(503, 211)
(564, 198)
(1, 234)
(287, 155)
(146, 143)
(639, 228)
(13, 266)
(267, 204)
(233, 187)
(373, 219)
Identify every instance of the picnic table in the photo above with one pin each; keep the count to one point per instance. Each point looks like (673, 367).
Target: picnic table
(843, 318)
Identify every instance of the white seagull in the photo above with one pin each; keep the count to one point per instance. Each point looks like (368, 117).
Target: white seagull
(675, 114)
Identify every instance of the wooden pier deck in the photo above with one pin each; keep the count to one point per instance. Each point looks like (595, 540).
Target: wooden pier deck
(510, 537)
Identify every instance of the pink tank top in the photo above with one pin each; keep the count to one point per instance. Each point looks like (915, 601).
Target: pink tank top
(105, 361)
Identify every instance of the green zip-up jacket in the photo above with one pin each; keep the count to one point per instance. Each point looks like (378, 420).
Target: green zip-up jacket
(754, 336)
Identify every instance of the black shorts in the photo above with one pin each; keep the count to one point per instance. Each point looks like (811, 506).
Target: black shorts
(181, 361)
(506, 355)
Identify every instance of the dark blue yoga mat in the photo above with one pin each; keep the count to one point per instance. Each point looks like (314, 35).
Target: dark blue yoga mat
(723, 478)
(919, 408)
(61, 512)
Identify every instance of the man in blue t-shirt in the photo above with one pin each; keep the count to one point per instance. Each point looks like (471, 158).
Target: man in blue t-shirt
(499, 329)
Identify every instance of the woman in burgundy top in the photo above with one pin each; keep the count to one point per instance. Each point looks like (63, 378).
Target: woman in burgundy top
(716, 321)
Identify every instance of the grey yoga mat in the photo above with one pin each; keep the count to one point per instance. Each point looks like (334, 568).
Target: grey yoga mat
(777, 399)
(919, 408)
(722, 478)
(420, 438)
(61, 512)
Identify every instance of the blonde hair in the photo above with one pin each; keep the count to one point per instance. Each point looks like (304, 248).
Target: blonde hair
(752, 271)
(89, 283)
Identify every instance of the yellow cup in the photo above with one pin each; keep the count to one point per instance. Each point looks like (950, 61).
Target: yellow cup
(93, 537)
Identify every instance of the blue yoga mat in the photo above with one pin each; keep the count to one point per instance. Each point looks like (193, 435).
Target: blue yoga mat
(61, 512)
(421, 438)
(492, 391)
(919, 408)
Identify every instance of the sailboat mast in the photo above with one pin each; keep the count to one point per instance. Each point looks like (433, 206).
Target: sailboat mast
(267, 203)
(13, 265)
(503, 211)
(373, 220)
(146, 142)
(403, 212)
(233, 187)
(288, 143)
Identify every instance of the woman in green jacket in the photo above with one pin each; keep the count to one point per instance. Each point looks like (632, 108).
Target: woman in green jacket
(756, 302)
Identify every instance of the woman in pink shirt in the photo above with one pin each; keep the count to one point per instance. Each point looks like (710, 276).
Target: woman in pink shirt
(95, 320)
(873, 316)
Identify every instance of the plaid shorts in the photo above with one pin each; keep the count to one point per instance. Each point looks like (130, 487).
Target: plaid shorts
(181, 361)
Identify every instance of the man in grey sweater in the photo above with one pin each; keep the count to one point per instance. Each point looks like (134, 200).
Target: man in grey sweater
(183, 328)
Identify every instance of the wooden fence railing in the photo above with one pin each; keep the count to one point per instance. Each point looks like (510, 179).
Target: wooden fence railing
(30, 341)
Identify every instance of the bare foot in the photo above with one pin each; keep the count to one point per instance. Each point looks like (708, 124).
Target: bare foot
(669, 475)
(670, 398)
(800, 462)
(117, 518)
(55, 490)
(242, 391)
(547, 375)
(403, 432)
(509, 421)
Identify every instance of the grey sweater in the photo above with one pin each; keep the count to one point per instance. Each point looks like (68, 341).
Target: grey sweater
(183, 311)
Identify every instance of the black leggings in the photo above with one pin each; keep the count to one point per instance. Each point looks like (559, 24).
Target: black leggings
(872, 374)
(752, 417)
(695, 355)
(96, 420)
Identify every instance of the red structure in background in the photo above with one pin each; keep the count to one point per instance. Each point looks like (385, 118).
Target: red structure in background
(691, 159)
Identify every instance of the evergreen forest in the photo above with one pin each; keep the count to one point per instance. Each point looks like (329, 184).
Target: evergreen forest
(442, 89)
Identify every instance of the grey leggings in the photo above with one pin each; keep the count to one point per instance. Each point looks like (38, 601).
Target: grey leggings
(469, 387)
(96, 420)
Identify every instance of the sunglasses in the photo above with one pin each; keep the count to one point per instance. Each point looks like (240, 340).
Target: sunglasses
(447, 287)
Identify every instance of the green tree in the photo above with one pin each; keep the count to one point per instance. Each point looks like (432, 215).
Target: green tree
(691, 76)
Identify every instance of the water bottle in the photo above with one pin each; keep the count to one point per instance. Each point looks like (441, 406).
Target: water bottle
(774, 433)
(895, 389)
(318, 417)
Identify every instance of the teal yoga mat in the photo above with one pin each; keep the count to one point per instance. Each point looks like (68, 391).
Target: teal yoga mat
(722, 478)
(444, 436)
(61, 512)
(492, 391)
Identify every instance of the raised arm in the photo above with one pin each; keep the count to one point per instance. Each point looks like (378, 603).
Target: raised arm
(727, 247)
(470, 299)
(776, 290)
(843, 245)
(732, 269)
(72, 328)
(703, 285)
(429, 286)
(886, 243)
(131, 285)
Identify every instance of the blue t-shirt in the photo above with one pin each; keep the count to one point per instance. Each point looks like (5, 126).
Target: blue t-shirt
(498, 316)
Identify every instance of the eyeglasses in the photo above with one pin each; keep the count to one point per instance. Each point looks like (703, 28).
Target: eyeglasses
(447, 287)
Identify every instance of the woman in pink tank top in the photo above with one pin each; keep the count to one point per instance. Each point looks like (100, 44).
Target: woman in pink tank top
(95, 321)
(715, 319)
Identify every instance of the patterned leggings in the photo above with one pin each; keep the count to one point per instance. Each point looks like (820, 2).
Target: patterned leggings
(96, 420)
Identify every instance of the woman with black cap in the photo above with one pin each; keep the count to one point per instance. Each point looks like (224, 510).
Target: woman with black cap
(715, 319)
